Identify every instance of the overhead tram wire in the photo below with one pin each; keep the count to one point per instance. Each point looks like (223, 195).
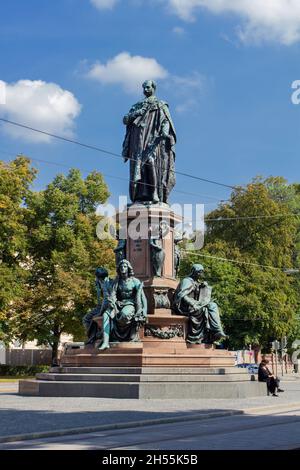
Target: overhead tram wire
(206, 219)
(265, 266)
(187, 175)
(274, 268)
(251, 217)
(185, 251)
(112, 154)
(116, 177)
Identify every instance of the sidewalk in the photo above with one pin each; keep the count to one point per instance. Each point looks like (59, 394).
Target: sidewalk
(9, 386)
(34, 415)
(289, 377)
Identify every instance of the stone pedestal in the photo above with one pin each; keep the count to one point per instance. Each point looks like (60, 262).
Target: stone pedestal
(151, 352)
(150, 369)
(144, 221)
(163, 329)
(161, 365)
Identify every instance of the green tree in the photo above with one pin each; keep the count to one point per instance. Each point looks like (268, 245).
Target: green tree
(15, 180)
(258, 303)
(64, 252)
(289, 194)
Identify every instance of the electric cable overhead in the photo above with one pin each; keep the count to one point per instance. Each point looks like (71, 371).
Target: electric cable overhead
(107, 175)
(206, 219)
(234, 261)
(250, 217)
(219, 219)
(112, 154)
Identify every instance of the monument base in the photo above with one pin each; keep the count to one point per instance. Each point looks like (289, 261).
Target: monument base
(138, 383)
(141, 371)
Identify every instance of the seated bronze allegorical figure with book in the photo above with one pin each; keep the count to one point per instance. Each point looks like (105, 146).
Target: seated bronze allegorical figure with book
(192, 298)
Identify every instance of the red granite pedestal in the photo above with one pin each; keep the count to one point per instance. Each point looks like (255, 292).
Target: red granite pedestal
(162, 364)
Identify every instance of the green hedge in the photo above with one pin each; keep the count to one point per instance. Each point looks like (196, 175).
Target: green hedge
(21, 371)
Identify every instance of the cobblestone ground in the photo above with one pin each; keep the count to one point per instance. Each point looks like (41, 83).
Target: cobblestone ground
(21, 415)
(252, 431)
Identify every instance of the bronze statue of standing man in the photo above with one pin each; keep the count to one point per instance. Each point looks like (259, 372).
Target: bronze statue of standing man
(149, 146)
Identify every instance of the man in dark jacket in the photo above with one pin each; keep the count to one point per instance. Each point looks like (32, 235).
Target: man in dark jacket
(265, 375)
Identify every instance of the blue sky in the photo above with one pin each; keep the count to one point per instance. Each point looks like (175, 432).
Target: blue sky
(226, 72)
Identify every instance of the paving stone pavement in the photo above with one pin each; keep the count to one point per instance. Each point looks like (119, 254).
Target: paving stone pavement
(260, 431)
(8, 386)
(21, 415)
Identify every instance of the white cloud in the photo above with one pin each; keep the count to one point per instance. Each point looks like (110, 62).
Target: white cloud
(41, 105)
(194, 81)
(178, 30)
(2, 92)
(262, 20)
(128, 71)
(104, 4)
(188, 90)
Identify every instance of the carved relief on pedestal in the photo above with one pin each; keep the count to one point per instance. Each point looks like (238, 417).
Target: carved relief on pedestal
(161, 298)
(174, 331)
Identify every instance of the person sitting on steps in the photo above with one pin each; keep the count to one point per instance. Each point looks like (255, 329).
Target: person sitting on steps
(265, 375)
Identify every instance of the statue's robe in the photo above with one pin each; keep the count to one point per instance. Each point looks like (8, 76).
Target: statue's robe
(127, 311)
(92, 329)
(149, 121)
(194, 300)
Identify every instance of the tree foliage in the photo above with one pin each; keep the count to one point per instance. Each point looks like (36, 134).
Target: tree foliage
(258, 303)
(49, 251)
(15, 180)
(64, 251)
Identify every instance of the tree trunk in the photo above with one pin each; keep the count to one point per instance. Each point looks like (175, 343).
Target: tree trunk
(257, 353)
(54, 347)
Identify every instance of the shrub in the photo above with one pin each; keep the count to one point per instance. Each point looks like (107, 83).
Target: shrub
(21, 371)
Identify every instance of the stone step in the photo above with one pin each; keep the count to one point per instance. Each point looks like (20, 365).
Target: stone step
(97, 352)
(154, 390)
(169, 349)
(142, 377)
(149, 370)
(136, 360)
(147, 355)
